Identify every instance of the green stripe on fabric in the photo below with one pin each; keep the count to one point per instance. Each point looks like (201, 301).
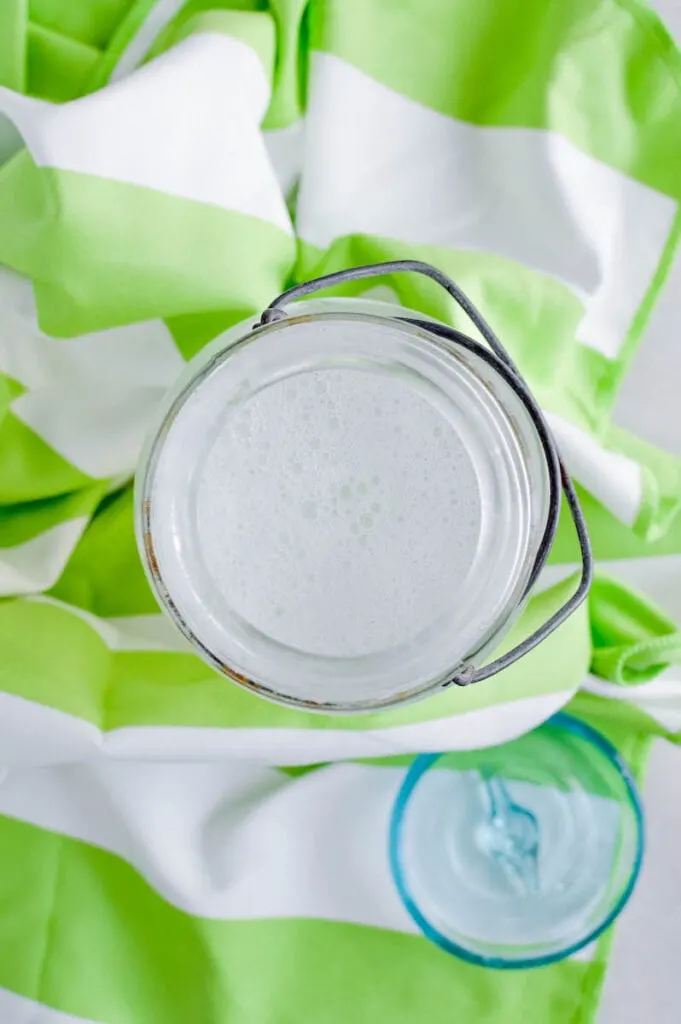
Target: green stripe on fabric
(128, 253)
(9, 390)
(19, 523)
(74, 671)
(193, 13)
(534, 315)
(657, 530)
(92, 23)
(610, 538)
(290, 76)
(163, 688)
(29, 469)
(125, 32)
(13, 25)
(104, 574)
(59, 68)
(617, 717)
(78, 925)
(632, 744)
(68, 669)
(661, 480)
(193, 331)
(633, 639)
(593, 70)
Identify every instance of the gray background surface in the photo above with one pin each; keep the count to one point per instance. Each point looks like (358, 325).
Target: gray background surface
(644, 979)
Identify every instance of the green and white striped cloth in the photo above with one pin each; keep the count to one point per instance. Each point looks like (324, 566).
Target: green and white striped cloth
(166, 168)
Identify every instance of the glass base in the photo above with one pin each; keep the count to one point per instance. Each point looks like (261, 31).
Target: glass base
(521, 854)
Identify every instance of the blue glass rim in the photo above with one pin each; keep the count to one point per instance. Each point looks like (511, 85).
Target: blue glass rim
(425, 761)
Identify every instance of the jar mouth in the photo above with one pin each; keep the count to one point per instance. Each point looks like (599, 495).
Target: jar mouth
(339, 509)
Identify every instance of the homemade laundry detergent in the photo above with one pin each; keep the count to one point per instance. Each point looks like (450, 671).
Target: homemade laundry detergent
(346, 506)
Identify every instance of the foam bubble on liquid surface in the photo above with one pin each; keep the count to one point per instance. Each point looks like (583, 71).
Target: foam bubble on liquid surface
(338, 512)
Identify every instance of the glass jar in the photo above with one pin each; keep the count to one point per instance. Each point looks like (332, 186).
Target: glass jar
(344, 505)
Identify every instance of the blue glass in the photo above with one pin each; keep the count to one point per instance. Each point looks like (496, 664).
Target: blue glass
(522, 854)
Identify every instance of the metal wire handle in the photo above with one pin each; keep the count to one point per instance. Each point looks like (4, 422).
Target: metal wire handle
(498, 357)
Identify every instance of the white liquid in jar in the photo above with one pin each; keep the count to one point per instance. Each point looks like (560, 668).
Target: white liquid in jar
(338, 512)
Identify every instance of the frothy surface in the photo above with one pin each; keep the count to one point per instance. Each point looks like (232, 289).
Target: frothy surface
(338, 512)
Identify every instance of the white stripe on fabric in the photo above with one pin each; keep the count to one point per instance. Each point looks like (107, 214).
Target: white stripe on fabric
(667, 687)
(100, 432)
(138, 355)
(237, 843)
(660, 699)
(147, 633)
(286, 147)
(657, 577)
(33, 734)
(468, 730)
(15, 1009)
(158, 18)
(91, 398)
(187, 124)
(613, 479)
(554, 574)
(379, 163)
(38, 563)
